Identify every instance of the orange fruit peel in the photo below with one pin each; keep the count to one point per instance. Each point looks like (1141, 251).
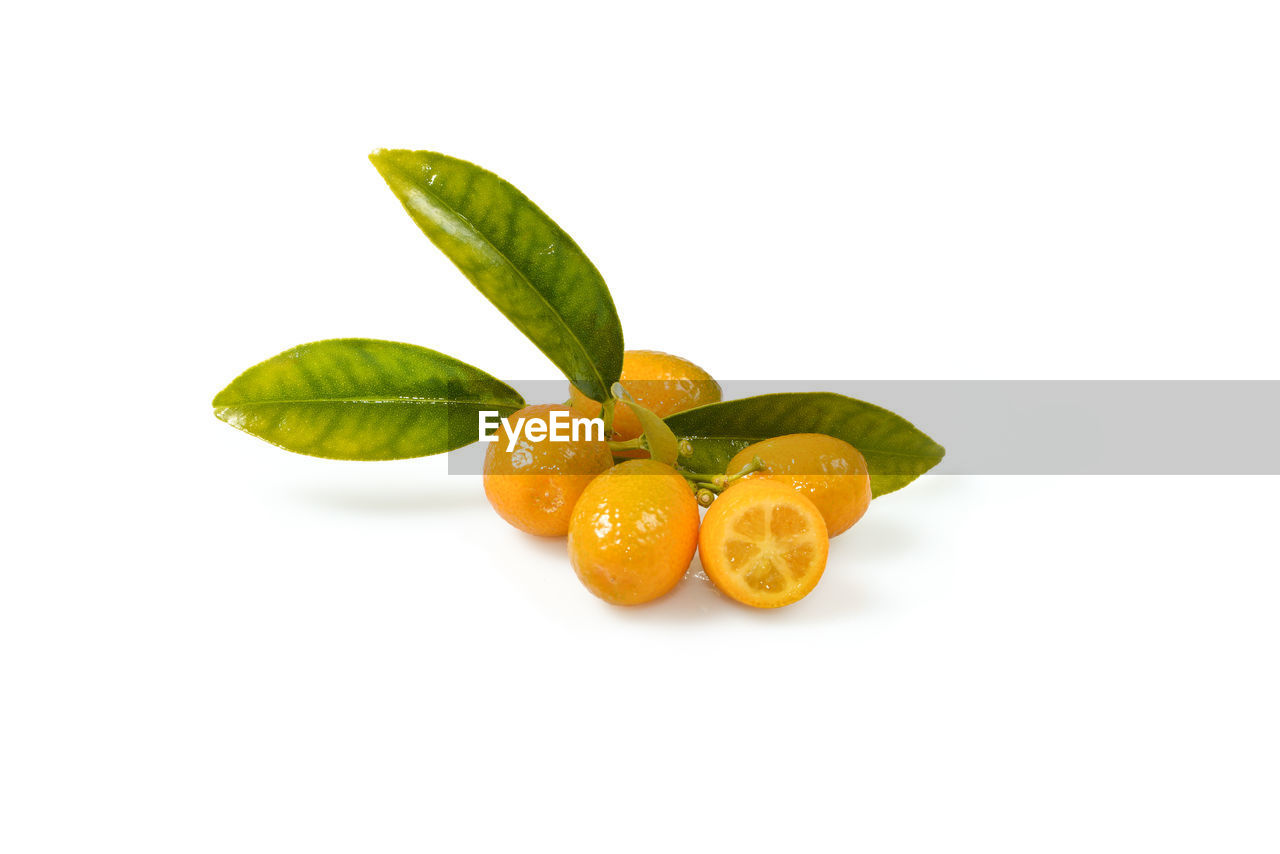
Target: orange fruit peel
(829, 471)
(634, 532)
(662, 383)
(535, 485)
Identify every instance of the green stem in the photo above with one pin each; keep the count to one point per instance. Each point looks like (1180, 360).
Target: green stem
(717, 483)
(606, 415)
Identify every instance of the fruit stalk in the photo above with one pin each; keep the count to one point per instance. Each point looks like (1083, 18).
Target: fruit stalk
(717, 483)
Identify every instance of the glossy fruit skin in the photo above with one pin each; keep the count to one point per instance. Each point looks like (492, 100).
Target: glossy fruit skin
(800, 535)
(634, 532)
(830, 471)
(662, 383)
(535, 485)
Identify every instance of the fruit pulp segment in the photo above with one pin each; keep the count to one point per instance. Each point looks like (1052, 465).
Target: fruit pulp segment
(770, 546)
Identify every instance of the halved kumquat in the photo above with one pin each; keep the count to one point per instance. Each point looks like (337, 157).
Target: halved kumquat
(763, 543)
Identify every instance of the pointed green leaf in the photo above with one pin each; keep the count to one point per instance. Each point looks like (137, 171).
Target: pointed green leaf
(896, 451)
(517, 257)
(359, 399)
(662, 443)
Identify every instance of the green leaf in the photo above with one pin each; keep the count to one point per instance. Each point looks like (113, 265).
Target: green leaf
(517, 257)
(896, 451)
(359, 399)
(662, 443)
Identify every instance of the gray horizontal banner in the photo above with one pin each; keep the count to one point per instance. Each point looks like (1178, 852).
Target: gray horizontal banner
(1051, 427)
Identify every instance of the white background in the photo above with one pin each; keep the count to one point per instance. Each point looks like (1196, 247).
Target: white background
(210, 645)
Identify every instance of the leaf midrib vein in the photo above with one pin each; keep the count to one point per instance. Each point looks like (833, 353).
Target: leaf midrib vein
(751, 440)
(582, 348)
(366, 399)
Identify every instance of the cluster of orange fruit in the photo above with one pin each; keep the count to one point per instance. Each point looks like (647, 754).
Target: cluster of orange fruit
(633, 526)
